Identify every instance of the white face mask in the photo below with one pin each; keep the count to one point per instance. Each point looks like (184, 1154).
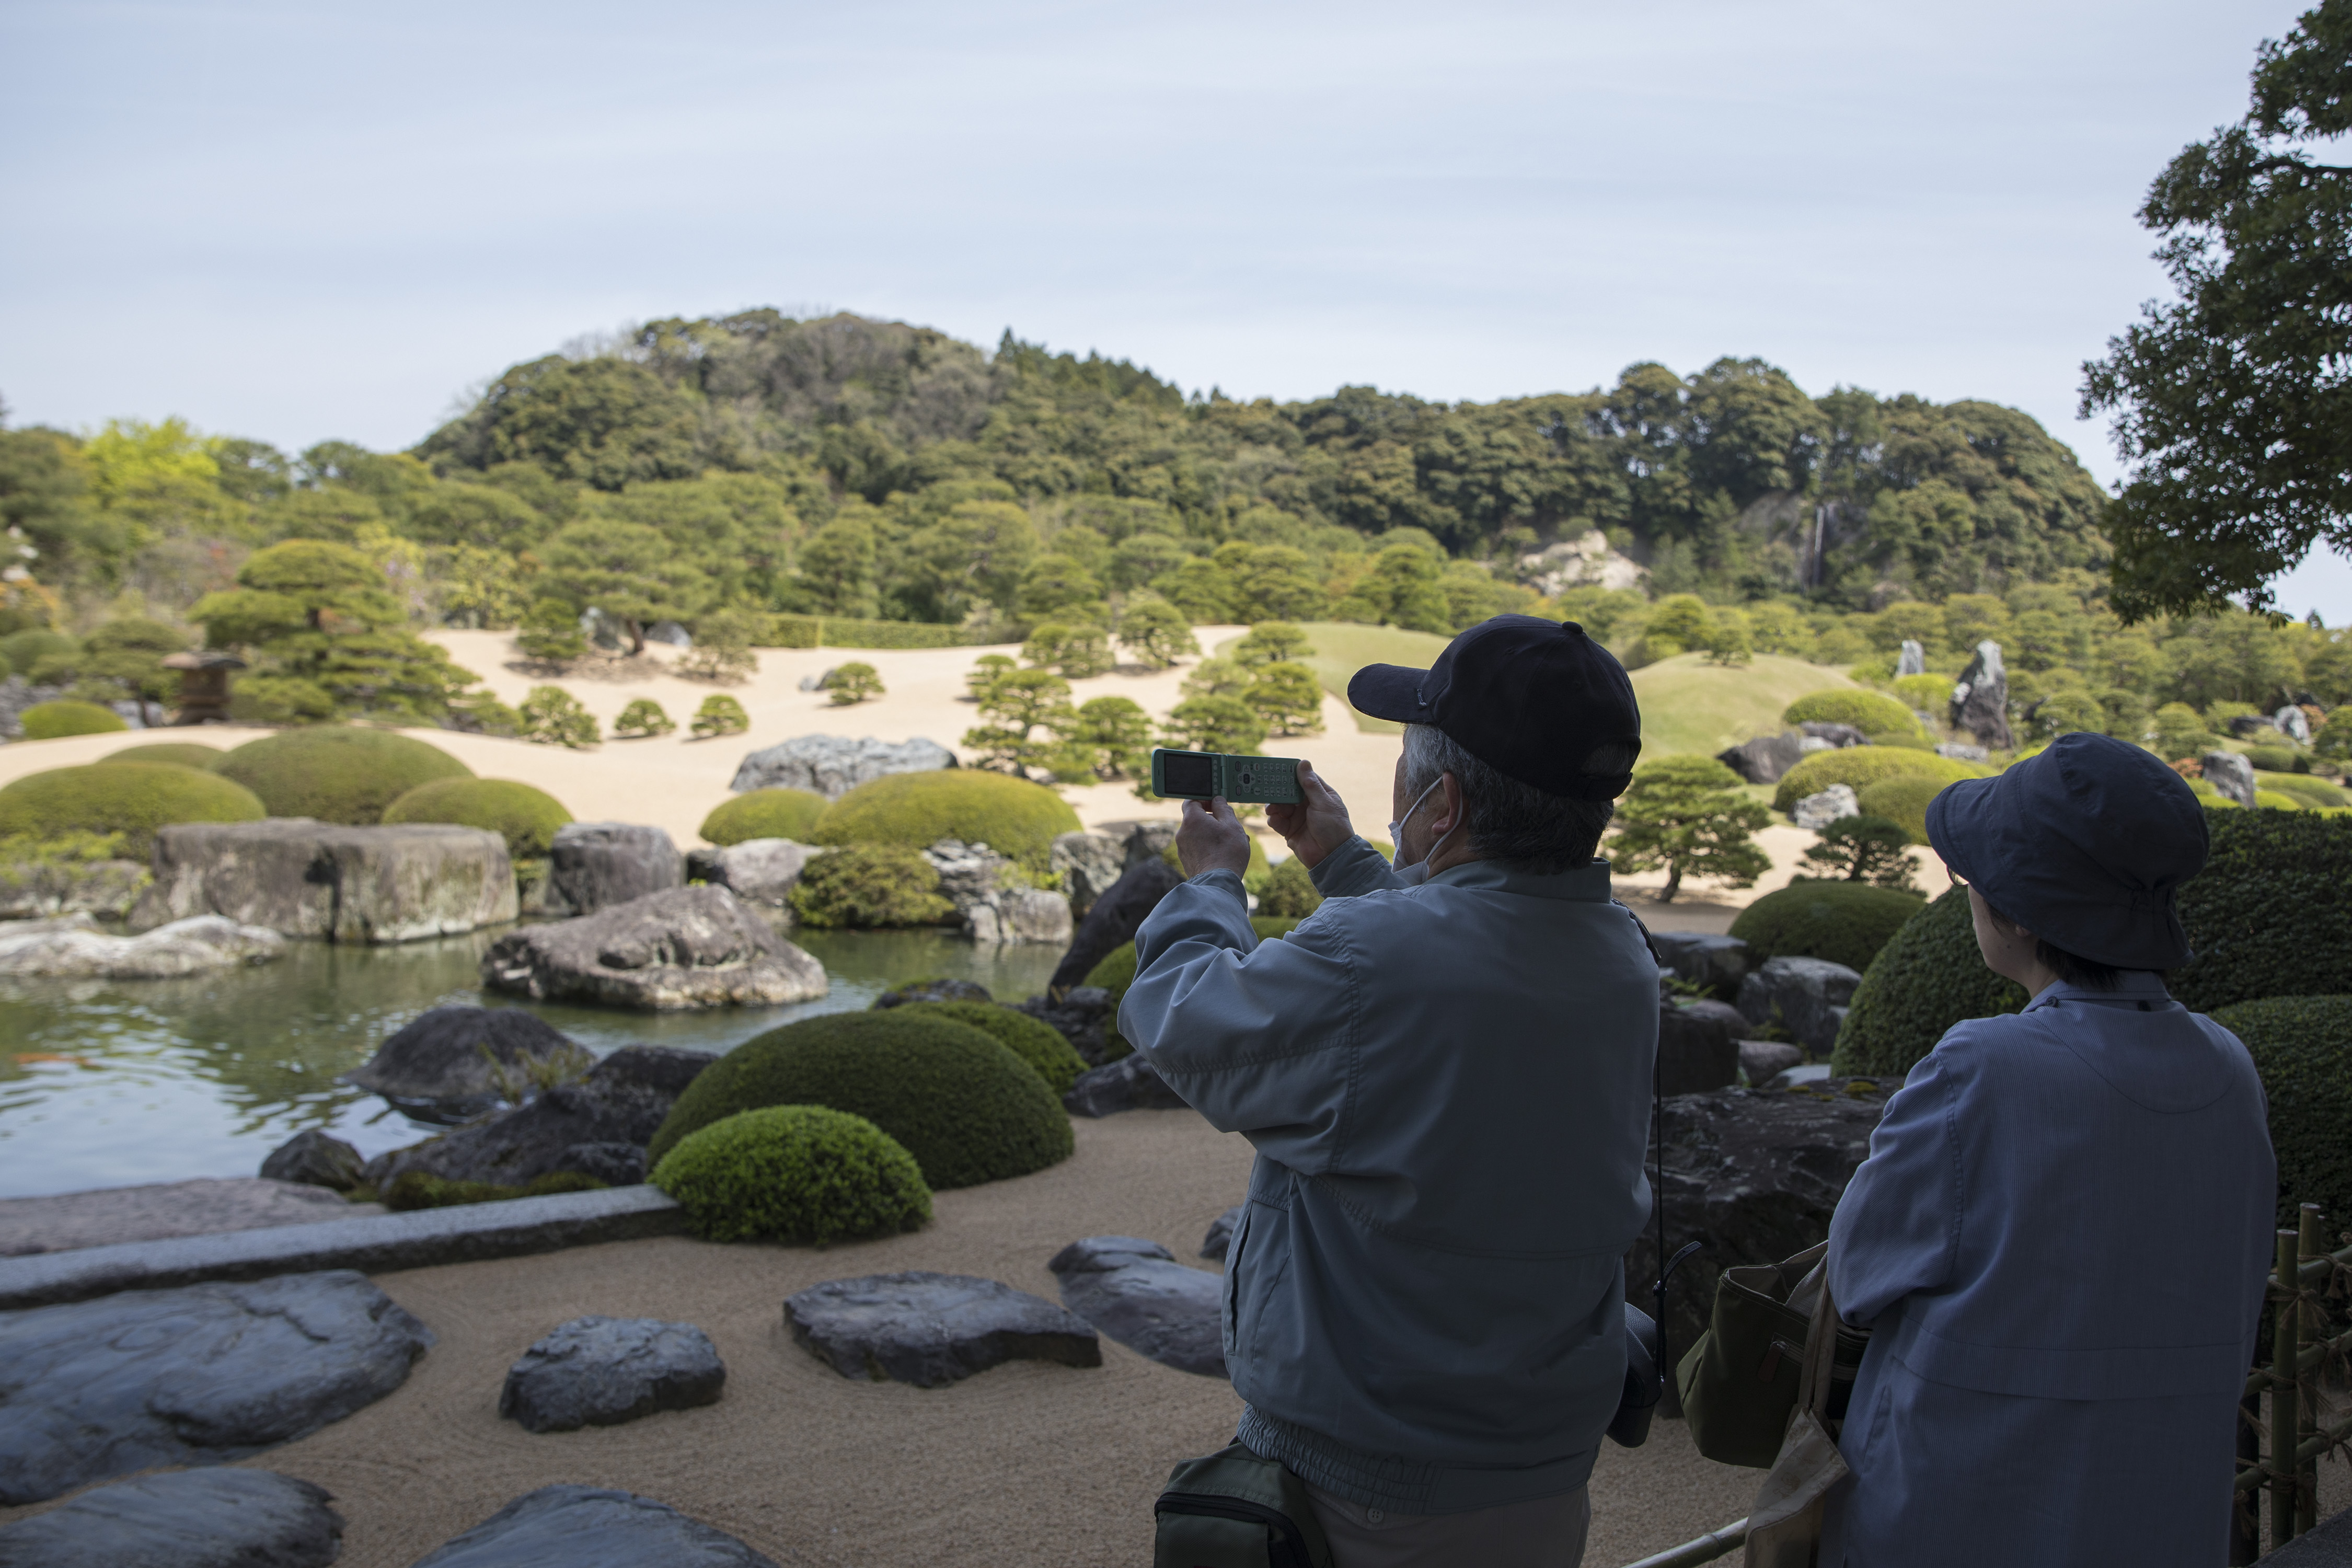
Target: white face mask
(1417, 873)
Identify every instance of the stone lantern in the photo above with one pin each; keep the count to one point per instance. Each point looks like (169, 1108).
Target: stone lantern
(203, 686)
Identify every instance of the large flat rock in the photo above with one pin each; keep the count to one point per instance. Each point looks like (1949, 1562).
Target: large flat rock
(73, 948)
(220, 1517)
(601, 1372)
(1136, 1291)
(689, 948)
(833, 765)
(108, 1216)
(589, 1527)
(322, 880)
(931, 1330)
(192, 1376)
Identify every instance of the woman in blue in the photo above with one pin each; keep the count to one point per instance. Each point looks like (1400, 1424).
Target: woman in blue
(2059, 1239)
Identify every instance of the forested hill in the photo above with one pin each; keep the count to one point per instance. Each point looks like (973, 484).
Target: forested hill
(1719, 481)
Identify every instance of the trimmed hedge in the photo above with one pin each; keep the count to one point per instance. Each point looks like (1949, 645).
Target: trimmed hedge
(133, 799)
(2270, 915)
(1861, 765)
(1012, 816)
(1042, 1046)
(1927, 978)
(794, 1173)
(968, 1110)
(1845, 922)
(2303, 1048)
(765, 814)
(179, 753)
(336, 772)
(525, 817)
(1872, 712)
(2303, 789)
(1901, 801)
(1116, 972)
(56, 721)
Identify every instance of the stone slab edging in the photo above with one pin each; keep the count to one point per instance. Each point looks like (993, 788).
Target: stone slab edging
(373, 1243)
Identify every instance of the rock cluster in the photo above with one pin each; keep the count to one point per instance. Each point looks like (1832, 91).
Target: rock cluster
(72, 948)
(601, 1372)
(931, 1330)
(1807, 996)
(39, 890)
(687, 948)
(1087, 863)
(1717, 963)
(763, 872)
(215, 1518)
(323, 881)
(833, 765)
(594, 866)
(1136, 1291)
(590, 1527)
(451, 1064)
(994, 905)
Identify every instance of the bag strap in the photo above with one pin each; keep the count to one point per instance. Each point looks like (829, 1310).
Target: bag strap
(1820, 1356)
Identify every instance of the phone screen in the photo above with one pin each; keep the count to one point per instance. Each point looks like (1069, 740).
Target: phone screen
(1189, 772)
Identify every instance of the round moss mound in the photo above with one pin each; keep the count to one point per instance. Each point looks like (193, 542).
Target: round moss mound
(2270, 914)
(525, 817)
(25, 650)
(765, 814)
(335, 772)
(179, 753)
(1927, 978)
(794, 1173)
(56, 721)
(1872, 712)
(2298, 1046)
(1901, 801)
(1116, 972)
(968, 1110)
(1042, 1048)
(1861, 766)
(1845, 922)
(1012, 816)
(133, 799)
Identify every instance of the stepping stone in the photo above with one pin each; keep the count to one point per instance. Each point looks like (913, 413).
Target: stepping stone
(601, 1372)
(218, 1518)
(931, 1330)
(588, 1527)
(192, 1376)
(1220, 1239)
(1136, 1291)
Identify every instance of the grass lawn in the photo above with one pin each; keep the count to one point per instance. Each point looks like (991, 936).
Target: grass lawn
(1689, 705)
(1343, 648)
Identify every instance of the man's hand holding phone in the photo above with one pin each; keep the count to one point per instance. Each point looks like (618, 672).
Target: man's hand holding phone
(1211, 838)
(1317, 825)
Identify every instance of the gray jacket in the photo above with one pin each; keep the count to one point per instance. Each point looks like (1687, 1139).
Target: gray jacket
(1448, 1087)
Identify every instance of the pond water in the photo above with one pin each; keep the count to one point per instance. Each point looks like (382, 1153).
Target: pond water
(108, 1083)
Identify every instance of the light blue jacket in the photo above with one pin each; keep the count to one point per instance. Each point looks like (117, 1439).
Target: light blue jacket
(2059, 1242)
(1448, 1087)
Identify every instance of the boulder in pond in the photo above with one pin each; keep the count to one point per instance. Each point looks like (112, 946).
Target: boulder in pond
(762, 871)
(329, 882)
(687, 948)
(1131, 1083)
(313, 1158)
(197, 1376)
(73, 948)
(931, 1330)
(592, 866)
(601, 1372)
(1136, 1291)
(447, 1064)
(1087, 864)
(590, 1527)
(218, 1518)
(833, 765)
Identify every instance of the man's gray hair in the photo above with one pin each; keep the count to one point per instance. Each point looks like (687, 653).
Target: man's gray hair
(1514, 824)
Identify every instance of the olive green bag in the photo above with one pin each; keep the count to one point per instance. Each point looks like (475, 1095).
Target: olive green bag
(1233, 1509)
(1738, 1383)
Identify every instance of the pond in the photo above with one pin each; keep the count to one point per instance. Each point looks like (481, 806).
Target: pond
(109, 1083)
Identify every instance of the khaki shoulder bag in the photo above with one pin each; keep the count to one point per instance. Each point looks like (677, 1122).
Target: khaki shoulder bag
(1784, 1528)
(1740, 1383)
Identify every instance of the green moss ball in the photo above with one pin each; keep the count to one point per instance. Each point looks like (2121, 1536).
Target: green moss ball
(133, 799)
(525, 817)
(1845, 922)
(1012, 816)
(1039, 1045)
(1927, 978)
(1901, 801)
(56, 721)
(25, 650)
(336, 772)
(968, 1110)
(1861, 767)
(2303, 1048)
(794, 1173)
(180, 754)
(1872, 712)
(765, 814)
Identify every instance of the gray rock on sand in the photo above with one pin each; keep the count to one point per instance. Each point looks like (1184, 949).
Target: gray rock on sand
(1981, 699)
(218, 1518)
(1136, 1291)
(601, 1372)
(762, 871)
(72, 948)
(1220, 1239)
(2232, 775)
(1816, 812)
(687, 948)
(592, 866)
(314, 1159)
(833, 765)
(569, 1526)
(324, 881)
(1131, 1083)
(443, 1064)
(1807, 996)
(1087, 864)
(203, 1206)
(198, 1375)
(931, 1330)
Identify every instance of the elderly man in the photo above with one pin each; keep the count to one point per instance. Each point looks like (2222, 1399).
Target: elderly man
(1446, 1073)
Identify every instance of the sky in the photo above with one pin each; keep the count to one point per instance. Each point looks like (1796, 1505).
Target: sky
(298, 222)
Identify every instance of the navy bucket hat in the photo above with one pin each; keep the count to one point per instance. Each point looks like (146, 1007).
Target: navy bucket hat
(2084, 845)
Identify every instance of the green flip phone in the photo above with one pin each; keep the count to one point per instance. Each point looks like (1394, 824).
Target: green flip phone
(1197, 775)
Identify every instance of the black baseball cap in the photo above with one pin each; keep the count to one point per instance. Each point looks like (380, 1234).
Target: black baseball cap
(1532, 699)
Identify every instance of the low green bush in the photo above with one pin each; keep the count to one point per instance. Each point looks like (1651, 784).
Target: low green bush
(25, 650)
(1116, 972)
(336, 772)
(1872, 712)
(2272, 800)
(2277, 760)
(56, 721)
(525, 817)
(642, 719)
(1927, 978)
(1861, 765)
(1041, 1046)
(2307, 791)
(2299, 1046)
(1927, 692)
(1845, 922)
(1012, 816)
(416, 1190)
(1903, 801)
(845, 631)
(180, 754)
(853, 683)
(1289, 892)
(554, 717)
(867, 885)
(765, 814)
(967, 1108)
(133, 799)
(797, 1174)
(719, 715)
(2270, 915)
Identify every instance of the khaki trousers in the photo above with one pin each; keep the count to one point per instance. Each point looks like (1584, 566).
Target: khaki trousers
(1546, 1532)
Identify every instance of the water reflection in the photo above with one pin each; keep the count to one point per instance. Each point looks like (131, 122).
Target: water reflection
(103, 1084)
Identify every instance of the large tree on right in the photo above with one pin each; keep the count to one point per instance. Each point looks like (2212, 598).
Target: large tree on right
(2232, 403)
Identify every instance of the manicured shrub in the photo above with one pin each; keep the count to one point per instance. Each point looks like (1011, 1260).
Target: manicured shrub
(794, 1173)
(853, 683)
(1845, 922)
(719, 715)
(1927, 692)
(133, 799)
(1927, 978)
(336, 772)
(2303, 789)
(968, 1110)
(1872, 712)
(2277, 760)
(1864, 849)
(56, 721)
(1289, 892)
(416, 1190)
(867, 886)
(525, 817)
(2270, 915)
(1901, 801)
(1012, 816)
(554, 717)
(2303, 1048)
(1042, 1048)
(2272, 800)
(1860, 766)
(179, 753)
(765, 814)
(642, 719)
(22, 650)
(1116, 972)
